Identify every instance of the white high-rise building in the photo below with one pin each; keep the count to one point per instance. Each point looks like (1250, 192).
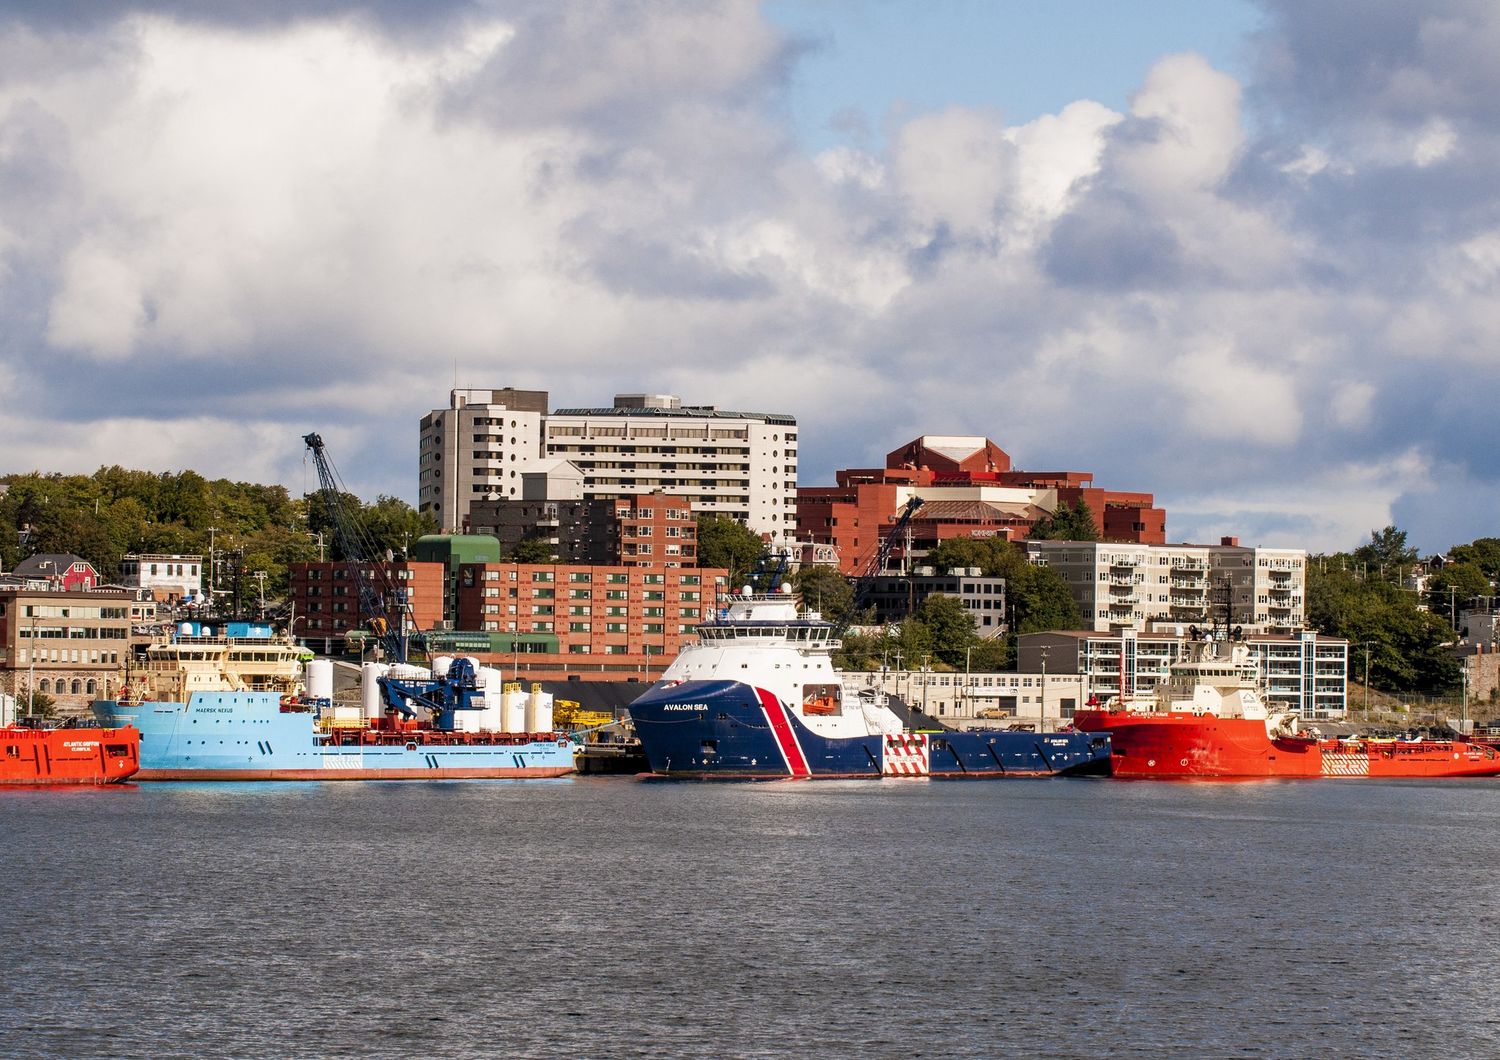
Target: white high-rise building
(476, 449)
(738, 464)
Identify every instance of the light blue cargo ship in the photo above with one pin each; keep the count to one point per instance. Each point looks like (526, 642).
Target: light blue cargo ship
(229, 707)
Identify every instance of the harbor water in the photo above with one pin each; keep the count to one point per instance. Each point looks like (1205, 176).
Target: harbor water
(605, 917)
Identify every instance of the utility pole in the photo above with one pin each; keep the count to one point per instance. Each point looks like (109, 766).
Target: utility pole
(213, 571)
(260, 576)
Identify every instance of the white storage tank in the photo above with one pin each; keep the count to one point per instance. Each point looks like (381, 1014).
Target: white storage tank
(513, 709)
(538, 710)
(440, 665)
(320, 679)
(369, 689)
(491, 678)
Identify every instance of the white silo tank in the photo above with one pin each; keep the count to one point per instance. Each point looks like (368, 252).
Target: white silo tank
(538, 710)
(513, 708)
(490, 678)
(369, 688)
(320, 679)
(440, 664)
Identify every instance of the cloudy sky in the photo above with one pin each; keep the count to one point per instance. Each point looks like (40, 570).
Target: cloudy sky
(1245, 255)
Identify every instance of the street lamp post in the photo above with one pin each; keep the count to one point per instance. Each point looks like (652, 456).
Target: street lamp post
(1042, 712)
(31, 675)
(967, 694)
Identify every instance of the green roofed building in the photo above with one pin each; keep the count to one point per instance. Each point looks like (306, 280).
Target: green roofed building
(453, 551)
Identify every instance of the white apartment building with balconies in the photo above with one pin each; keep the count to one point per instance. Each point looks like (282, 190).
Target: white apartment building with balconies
(1304, 671)
(738, 464)
(1131, 586)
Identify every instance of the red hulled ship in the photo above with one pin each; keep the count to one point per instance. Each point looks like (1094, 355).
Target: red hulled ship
(1208, 720)
(31, 755)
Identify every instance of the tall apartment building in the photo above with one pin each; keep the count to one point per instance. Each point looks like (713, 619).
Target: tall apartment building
(476, 449)
(1139, 586)
(70, 646)
(739, 464)
(1302, 671)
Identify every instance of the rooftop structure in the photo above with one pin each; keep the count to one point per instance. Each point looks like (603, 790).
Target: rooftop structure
(970, 490)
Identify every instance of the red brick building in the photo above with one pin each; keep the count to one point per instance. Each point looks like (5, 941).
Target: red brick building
(970, 490)
(643, 529)
(545, 621)
(325, 597)
(564, 620)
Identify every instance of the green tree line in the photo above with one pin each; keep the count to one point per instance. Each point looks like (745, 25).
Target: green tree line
(250, 527)
(1401, 636)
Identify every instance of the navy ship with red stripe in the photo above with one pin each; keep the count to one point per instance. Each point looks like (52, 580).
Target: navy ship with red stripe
(758, 697)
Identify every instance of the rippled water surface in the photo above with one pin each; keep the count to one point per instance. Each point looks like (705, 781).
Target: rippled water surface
(615, 917)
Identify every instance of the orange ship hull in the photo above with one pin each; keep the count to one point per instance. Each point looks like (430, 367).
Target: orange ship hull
(68, 756)
(1170, 745)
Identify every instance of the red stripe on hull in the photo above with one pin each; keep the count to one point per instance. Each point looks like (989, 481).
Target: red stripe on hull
(786, 739)
(478, 773)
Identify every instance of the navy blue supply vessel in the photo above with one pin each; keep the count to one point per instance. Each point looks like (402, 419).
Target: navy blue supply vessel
(758, 698)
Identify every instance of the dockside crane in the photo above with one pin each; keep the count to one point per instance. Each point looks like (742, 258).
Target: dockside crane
(366, 568)
(864, 581)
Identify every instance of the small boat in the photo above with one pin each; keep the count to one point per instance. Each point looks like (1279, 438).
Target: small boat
(612, 749)
(31, 754)
(1209, 720)
(758, 697)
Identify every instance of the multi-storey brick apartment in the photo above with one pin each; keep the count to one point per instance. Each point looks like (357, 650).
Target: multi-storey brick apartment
(325, 599)
(565, 620)
(738, 464)
(644, 529)
(545, 621)
(969, 489)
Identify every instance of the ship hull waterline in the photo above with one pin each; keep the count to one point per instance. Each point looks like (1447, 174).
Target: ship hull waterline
(394, 773)
(729, 730)
(240, 736)
(1174, 746)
